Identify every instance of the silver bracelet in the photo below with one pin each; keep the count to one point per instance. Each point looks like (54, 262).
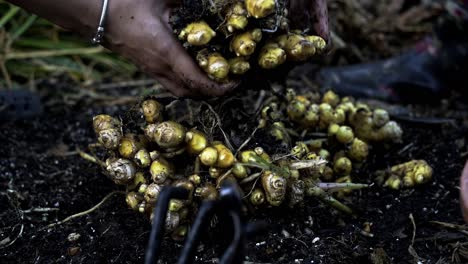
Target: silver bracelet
(100, 30)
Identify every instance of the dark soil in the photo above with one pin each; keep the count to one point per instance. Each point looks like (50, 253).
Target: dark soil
(40, 170)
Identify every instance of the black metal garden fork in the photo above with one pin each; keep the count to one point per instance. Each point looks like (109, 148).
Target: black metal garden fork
(229, 205)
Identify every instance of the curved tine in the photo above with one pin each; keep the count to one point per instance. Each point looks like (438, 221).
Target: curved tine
(159, 218)
(233, 253)
(230, 195)
(201, 222)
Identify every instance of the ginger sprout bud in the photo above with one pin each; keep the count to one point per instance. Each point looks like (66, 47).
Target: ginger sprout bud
(342, 166)
(274, 186)
(209, 156)
(244, 44)
(197, 33)
(345, 135)
(359, 150)
(257, 197)
(271, 56)
(225, 156)
(260, 8)
(160, 170)
(110, 138)
(196, 141)
(169, 134)
(121, 171)
(214, 64)
(380, 117)
(238, 65)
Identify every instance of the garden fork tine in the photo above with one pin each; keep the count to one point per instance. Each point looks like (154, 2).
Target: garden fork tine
(159, 218)
(206, 211)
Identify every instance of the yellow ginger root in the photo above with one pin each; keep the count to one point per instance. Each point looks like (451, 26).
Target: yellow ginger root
(331, 98)
(244, 44)
(257, 197)
(297, 108)
(318, 42)
(197, 33)
(358, 151)
(409, 174)
(214, 64)
(342, 166)
(196, 141)
(311, 117)
(167, 135)
(260, 8)
(271, 56)
(225, 156)
(274, 186)
(152, 111)
(236, 17)
(161, 170)
(238, 65)
(296, 46)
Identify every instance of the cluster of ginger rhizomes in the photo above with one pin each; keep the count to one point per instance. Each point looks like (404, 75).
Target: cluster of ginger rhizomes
(144, 162)
(232, 37)
(321, 166)
(341, 130)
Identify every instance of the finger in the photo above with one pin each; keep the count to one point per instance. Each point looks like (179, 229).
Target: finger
(319, 17)
(172, 87)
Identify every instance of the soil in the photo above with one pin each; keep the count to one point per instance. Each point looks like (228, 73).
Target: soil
(43, 180)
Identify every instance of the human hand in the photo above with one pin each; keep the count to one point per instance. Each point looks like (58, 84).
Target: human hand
(140, 31)
(310, 13)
